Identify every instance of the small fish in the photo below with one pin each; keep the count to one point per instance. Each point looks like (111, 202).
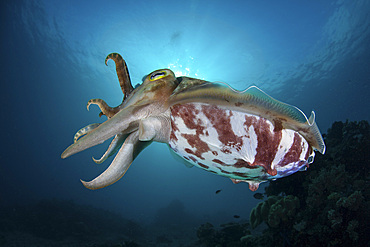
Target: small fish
(218, 191)
(236, 216)
(258, 196)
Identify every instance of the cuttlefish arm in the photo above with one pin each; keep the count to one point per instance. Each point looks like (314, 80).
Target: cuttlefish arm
(124, 122)
(113, 148)
(252, 100)
(122, 73)
(105, 109)
(125, 156)
(85, 130)
(124, 81)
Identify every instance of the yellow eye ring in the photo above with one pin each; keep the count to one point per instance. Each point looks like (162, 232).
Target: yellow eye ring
(157, 75)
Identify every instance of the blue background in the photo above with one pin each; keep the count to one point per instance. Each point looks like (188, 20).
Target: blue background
(311, 54)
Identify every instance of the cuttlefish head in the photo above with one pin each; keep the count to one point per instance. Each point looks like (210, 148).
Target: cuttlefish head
(142, 117)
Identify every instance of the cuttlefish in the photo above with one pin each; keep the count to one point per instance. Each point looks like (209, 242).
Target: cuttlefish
(246, 136)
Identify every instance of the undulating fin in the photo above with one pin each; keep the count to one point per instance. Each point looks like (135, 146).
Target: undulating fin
(123, 122)
(113, 148)
(252, 100)
(314, 129)
(83, 131)
(181, 160)
(128, 152)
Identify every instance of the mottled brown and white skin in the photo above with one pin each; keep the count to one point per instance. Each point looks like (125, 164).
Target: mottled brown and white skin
(245, 135)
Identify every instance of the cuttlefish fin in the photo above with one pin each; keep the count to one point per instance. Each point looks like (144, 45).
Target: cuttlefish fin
(288, 116)
(113, 148)
(314, 130)
(180, 159)
(128, 152)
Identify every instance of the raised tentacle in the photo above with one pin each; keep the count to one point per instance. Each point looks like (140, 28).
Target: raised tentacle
(113, 148)
(122, 73)
(105, 109)
(128, 152)
(85, 130)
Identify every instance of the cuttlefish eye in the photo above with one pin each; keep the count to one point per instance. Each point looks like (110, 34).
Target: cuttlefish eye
(158, 75)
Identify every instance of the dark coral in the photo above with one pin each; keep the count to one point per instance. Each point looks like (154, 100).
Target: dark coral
(333, 193)
(228, 235)
(327, 205)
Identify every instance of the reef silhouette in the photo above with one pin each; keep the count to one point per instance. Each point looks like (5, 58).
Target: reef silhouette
(327, 207)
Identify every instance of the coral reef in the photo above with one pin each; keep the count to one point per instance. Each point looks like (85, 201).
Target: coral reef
(228, 235)
(274, 211)
(325, 206)
(333, 196)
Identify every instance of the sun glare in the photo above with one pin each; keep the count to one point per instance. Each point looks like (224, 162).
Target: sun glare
(178, 69)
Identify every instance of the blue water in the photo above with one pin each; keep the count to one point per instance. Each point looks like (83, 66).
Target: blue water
(314, 55)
